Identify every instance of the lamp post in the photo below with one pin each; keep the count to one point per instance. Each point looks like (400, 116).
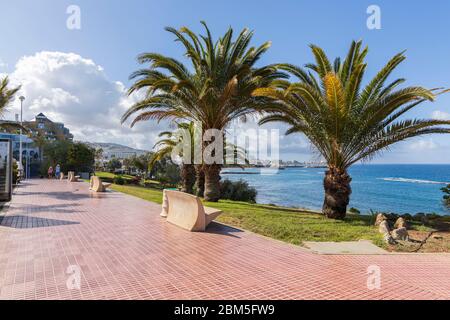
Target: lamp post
(21, 98)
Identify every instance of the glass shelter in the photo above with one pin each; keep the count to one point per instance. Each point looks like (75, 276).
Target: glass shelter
(5, 169)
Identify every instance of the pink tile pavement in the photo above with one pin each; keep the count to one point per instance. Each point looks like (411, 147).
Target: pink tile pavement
(124, 250)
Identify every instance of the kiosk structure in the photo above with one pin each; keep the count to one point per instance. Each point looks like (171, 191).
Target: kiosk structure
(5, 170)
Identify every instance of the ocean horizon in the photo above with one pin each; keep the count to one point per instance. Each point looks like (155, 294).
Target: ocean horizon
(399, 188)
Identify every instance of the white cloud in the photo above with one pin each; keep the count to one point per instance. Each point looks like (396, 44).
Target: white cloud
(71, 89)
(3, 64)
(423, 144)
(440, 115)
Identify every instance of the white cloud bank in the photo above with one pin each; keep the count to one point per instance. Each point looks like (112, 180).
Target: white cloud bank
(423, 145)
(76, 91)
(71, 89)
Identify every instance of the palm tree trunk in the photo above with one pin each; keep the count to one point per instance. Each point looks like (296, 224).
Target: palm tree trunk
(212, 182)
(187, 178)
(199, 180)
(337, 193)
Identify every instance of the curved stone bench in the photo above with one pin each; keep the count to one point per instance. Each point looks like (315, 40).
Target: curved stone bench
(97, 185)
(71, 177)
(188, 212)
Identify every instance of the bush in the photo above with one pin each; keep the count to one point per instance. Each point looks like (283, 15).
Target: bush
(166, 172)
(135, 180)
(119, 180)
(354, 211)
(113, 164)
(237, 190)
(407, 216)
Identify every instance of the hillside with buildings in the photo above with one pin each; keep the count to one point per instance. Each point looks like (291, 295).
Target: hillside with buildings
(115, 150)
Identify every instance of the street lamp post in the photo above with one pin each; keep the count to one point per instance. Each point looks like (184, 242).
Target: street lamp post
(21, 98)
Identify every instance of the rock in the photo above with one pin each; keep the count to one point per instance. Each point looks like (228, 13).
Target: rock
(380, 217)
(385, 230)
(400, 223)
(388, 239)
(437, 237)
(400, 234)
(384, 227)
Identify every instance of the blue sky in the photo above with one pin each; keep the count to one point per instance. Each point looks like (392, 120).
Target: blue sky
(99, 57)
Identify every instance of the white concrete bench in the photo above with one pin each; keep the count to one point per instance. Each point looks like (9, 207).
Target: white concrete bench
(97, 185)
(188, 212)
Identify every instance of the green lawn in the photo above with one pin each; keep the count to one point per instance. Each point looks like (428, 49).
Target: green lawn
(108, 176)
(289, 225)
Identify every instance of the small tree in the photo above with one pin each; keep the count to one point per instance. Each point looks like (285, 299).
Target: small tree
(113, 164)
(142, 162)
(98, 154)
(81, 157)
(165, 171)
(55, 152)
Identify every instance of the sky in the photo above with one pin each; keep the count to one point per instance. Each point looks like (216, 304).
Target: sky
(80, 76)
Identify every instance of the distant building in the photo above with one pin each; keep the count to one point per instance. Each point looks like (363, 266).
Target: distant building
(29, 149)
(115, 151)
(43, 126)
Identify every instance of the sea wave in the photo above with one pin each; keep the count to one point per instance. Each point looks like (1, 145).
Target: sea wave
(413, 180)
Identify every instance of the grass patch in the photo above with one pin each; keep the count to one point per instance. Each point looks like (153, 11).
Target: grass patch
(109, 177)
(285, 224)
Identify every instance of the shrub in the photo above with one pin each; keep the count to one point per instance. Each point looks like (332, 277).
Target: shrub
(407, 216)
(119, 180)
(113, 164)
(237, 190)
(135, 180)
(166, 172)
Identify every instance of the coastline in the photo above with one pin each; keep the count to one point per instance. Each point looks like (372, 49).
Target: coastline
(398, 188)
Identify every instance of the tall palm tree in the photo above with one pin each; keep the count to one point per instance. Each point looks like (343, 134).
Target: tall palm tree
(215, 89)
(6, 95)
(169, 143)
(345, 123)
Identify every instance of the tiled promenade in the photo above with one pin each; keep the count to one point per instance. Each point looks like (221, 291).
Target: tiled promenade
(124, 250)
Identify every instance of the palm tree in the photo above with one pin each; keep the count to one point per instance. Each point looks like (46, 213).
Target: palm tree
(190, 174)
(168, 144)
(345, 123)
(6, 96)
(215, 89)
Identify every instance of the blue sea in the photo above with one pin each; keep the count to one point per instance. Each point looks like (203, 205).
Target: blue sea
(387, 188)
